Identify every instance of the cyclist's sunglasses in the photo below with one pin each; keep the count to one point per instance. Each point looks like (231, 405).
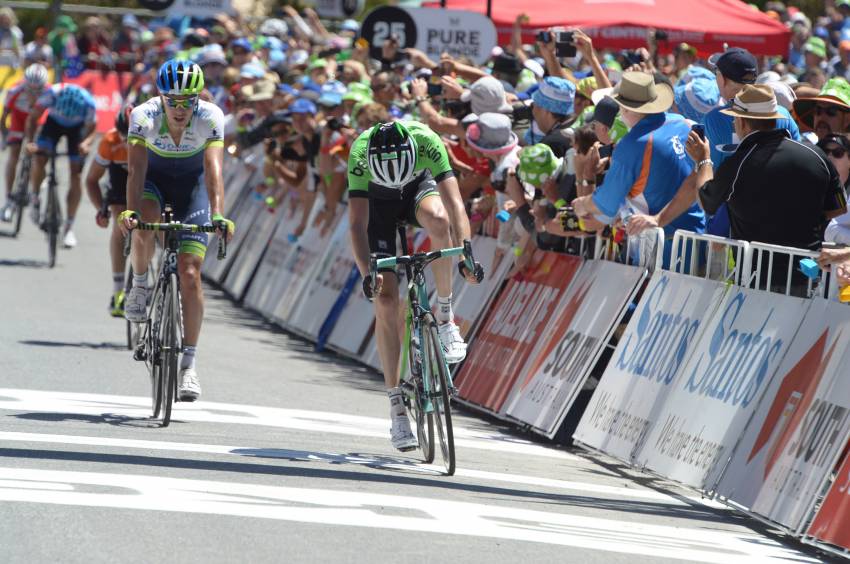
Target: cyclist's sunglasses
(187, 103)
(831, 111)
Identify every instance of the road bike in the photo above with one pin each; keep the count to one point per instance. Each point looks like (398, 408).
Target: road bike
(427, 386)
(160, 340)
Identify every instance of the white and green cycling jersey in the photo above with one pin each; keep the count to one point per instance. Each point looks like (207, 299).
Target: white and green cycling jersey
(431, 156)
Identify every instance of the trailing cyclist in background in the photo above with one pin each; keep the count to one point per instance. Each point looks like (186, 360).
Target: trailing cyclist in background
(175, 157)
(70, 114)
(19, 102)
(112, 156)
(400, 172)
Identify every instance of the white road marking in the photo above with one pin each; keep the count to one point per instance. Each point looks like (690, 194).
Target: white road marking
(15, 399)
(359, 509)
(388, 463)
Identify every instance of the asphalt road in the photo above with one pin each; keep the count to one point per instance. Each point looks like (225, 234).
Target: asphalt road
(287, 455)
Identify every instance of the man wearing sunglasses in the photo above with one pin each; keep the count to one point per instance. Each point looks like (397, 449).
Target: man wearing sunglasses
(828, 112)
(175, 157)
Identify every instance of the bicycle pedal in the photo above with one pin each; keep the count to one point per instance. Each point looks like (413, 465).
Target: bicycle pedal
(140, 355)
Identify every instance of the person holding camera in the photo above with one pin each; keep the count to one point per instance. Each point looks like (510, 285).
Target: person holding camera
(649, 164)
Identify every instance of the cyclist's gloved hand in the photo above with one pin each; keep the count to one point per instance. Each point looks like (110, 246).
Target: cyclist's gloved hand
(128, 219)
(224, 224)
(476, 276)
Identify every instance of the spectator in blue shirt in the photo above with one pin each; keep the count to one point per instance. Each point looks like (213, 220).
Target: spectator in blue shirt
(649, 163)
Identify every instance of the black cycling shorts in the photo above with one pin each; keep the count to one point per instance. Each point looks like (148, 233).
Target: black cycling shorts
(386, 214)
(52, 132)
(117, 193)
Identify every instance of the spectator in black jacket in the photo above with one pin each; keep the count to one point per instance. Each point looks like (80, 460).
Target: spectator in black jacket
(779, 191)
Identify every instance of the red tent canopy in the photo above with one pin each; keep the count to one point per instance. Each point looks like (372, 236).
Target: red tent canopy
(623, 24)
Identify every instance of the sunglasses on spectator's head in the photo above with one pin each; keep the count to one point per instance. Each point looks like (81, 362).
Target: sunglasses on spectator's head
(831, 111)
(836, 151)
(187, 103)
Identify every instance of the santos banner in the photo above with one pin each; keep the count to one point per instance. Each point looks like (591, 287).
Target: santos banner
(713, 398)
(562, 360)
(800, 427)
(660, 338)
(514, 326)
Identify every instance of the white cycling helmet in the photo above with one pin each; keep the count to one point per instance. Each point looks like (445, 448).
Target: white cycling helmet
(391, 155)
(36, 75)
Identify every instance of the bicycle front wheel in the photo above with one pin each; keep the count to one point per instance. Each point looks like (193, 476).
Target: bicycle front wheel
(171, 334)
(437, 373)
(52, 221)
(21, 194)
(424, 419)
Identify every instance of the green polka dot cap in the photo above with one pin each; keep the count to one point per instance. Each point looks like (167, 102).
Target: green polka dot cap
(537, 163)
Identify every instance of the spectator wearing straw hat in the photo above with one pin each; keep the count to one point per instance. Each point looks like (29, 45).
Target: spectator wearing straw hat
(777, 190)
(649, 163)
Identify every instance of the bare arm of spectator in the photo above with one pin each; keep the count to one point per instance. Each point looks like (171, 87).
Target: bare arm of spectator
(419, 59)
(435, 120)
(468, 72)
(516, 38)
(553, 67)
(316, 23)
(514, 190)
(585, 46)
(829, 257)
(838, 230)
(301, 26)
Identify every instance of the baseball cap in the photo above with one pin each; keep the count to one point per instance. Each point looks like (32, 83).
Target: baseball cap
(736, 64)
(330, 99)
(350, 25)
(242, 43)
(302, 106)
(252, 70)
(606, 111)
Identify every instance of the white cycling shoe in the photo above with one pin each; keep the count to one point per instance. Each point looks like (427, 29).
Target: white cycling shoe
(69, 241)
(401, 435)
(454, 348)
(136, 305)
(7, 211)
(190, 387)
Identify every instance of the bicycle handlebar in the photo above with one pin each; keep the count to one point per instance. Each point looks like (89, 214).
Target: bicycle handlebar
(181, 228)
(416, 258)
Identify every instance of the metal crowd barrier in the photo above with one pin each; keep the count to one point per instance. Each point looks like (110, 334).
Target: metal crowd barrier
(724, 259)
(774, 268)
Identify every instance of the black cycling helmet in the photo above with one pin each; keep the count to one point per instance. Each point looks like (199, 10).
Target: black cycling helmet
(122, 119)
(391, 154)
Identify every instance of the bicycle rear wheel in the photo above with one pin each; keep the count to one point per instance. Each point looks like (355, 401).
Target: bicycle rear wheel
(21, 192)
(437, 372)
(424, 420)
(171, 335)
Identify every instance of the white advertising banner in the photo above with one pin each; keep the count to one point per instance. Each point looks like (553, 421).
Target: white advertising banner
(584, 319)
(456, 32)
(470, 301)
(713, 397)
(200, 8)
(269, 280)
(433, 31)
(303, 261)
(243, 267)
(660, 337)
(800, 426)
(321, 293)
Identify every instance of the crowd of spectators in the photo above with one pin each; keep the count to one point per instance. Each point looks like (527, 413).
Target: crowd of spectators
(558, 149)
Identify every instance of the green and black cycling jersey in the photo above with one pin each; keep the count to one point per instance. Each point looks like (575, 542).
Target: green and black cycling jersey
(431, 156)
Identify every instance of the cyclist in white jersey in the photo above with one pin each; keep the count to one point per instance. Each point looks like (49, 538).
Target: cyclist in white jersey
(175, 157)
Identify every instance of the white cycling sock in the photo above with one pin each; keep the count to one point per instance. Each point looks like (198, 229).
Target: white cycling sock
(140, 280)
(69, 223)
(117, 281)
(444, 312)
(396, 402)
(188, 358)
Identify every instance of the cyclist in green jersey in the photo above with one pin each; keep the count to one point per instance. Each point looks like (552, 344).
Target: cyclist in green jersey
(400, 172)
